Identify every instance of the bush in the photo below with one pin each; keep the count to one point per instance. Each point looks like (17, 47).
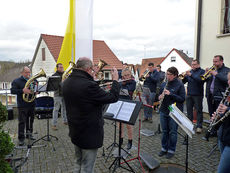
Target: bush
(6, 145)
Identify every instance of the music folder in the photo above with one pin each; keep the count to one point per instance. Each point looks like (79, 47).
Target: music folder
(125, 111)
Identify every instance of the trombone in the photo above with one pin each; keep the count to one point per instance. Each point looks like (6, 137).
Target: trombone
(143, 78)
(208, 74)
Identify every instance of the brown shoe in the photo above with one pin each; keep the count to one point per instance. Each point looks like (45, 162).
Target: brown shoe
(65, 123)
(198, 130)
(150, 120)
(145, 119)
(54, 127)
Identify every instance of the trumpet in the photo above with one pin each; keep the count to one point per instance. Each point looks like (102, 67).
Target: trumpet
(182, 75)
(143, 78)
(208, 74)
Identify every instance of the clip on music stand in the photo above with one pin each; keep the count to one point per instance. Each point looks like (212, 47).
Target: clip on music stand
(52, 85)
(123, 111)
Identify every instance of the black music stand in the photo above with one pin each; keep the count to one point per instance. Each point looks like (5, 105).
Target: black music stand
(123, 111)
(46, 105)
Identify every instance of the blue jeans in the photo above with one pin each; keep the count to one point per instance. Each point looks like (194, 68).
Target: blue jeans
(224, 165)
(169, 133)
(85, 160)
(148, 111)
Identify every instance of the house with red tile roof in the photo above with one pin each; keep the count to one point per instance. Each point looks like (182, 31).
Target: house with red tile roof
(48, 49)
(178, 59)
(145, 62)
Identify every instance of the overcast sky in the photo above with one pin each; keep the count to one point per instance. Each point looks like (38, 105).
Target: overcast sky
(133, 29)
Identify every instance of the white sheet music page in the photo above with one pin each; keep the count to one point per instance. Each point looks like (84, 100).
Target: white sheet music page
(126, 111)
(114, 108)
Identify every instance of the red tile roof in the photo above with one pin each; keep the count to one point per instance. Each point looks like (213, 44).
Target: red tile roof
(145, 62)
(100, 50)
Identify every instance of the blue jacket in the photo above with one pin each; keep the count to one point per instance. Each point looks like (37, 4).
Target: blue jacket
(224, 130)
(152, 80)
(177, 94)
(195, 84)
(130, 86)
(220, 84)
(17, 88)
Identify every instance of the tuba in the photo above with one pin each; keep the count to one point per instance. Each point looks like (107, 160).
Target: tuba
(30, 84)
(207, 74)
(65, 75)
(101, 64)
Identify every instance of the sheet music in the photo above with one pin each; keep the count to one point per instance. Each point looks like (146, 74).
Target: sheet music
(114, 108)
(126, 111)
(183, 121)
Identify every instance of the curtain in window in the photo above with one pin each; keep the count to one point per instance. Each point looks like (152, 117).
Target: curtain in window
(227, 17)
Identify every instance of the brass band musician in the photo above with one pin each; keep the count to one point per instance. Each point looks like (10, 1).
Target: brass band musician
(216, 85)
(25, 109)
(195, 93)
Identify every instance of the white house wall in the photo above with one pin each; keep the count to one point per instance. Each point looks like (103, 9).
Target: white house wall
(48, 65)
(212, 42)
(180, 64)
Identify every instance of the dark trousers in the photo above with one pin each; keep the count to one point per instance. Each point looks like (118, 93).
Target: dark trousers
(197, 103)
(212, 104)
(25, 120)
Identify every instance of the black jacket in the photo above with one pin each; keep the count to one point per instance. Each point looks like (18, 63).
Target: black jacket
(224, 131)
(17, 88)
(59, 91)
(195, 84)
(84, 100)
(177, 94)
(220, 84)
(152, 80)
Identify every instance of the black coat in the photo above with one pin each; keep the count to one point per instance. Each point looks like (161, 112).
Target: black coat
(195, 84)
(84, 101)
(17, 88)
(220, 83)
(177, 95)
(224, 131)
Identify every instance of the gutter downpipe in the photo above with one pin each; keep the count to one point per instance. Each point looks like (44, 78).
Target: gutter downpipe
(198, 30)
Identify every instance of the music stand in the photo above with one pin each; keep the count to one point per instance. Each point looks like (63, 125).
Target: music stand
(52, 85)
(123, 111)
(185, 124)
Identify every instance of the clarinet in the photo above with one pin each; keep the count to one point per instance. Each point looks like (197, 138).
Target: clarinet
(161, 100)
(217, 117)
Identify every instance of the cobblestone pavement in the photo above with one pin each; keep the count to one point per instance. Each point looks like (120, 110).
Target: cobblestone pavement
(58, 156)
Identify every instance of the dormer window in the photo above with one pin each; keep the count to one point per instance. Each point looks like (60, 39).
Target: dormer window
(173, 59)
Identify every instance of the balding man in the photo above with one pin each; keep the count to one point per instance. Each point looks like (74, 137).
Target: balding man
(84, 101)
(25, 109)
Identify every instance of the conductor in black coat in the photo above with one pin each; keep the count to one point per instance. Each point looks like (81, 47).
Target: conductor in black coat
(84, 102)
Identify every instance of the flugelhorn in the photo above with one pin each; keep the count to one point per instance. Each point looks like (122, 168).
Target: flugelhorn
(101, 64)
(208, 74)
(29, 84)
(65, 75)
(143, 78)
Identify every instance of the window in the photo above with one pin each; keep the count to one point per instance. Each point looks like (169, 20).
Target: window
(43, 54)
(173, 59)
(107, 75)
(225, 28)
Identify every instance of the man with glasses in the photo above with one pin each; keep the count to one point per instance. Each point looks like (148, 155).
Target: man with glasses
(195, 93)
(172, 92)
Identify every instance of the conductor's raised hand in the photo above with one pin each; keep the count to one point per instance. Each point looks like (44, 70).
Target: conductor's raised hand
(114, 74)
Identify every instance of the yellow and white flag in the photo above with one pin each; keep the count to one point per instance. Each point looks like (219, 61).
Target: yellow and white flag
(78, 40)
